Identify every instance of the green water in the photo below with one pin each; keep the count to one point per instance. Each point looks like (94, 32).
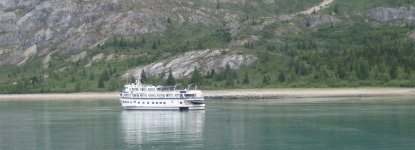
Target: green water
(348, 123)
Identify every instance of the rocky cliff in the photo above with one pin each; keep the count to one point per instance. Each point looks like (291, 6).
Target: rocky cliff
(393, 16)
(204, 61)
(40, 27)
(72, 25)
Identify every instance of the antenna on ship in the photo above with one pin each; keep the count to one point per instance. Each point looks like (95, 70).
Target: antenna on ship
(128, 78)
(188, 86)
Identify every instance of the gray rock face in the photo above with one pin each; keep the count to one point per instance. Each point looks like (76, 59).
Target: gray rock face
(318, 20)
(412, 34)
(225, 1)
(391, 16)
(204, 61)
(72, 25)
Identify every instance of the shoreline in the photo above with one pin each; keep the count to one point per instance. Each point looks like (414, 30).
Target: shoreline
(234, 94)
(308, 93)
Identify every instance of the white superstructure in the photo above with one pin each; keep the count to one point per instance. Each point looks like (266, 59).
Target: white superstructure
(149, 97)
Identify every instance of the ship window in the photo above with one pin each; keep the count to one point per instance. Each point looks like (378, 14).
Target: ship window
(138, 102)
(148, 102)
(164, 102)
(152, 102)
(157, 102)
(189, 95)
(180, 102)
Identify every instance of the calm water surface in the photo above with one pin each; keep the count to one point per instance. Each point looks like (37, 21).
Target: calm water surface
(348, 123)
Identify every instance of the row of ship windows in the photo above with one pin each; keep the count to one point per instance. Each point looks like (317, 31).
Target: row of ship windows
(160, 95)
(151, 89)
(138, 102)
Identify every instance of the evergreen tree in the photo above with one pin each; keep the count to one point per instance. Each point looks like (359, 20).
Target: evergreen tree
(212, 73)
(362, 69)
(91, 76)
(154, 46)
(104, 76)
(170, 79)
(143, 76)
(143, 41)
(229, 80)
(83, 72)
(207, 76)
(34, 80)
(394, 72)
(227, 68)
(101, 83)
(131, 79)
(265, 80)
(78, 87)
(246, 78)
(199, 45)
(196, 77)
(336, 9)
(281, 77)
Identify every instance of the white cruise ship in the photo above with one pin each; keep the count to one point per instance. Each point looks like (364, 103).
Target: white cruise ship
(148, 97)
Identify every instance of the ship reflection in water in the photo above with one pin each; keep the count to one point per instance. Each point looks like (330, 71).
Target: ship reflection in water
(145, 129)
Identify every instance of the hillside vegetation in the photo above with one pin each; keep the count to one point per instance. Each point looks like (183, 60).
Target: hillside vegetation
(351, 43)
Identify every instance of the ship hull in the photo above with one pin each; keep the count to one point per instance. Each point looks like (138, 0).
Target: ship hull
(161, 104)
(163, 108)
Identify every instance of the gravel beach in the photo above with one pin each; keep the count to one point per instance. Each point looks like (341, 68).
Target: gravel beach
(234, 94)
